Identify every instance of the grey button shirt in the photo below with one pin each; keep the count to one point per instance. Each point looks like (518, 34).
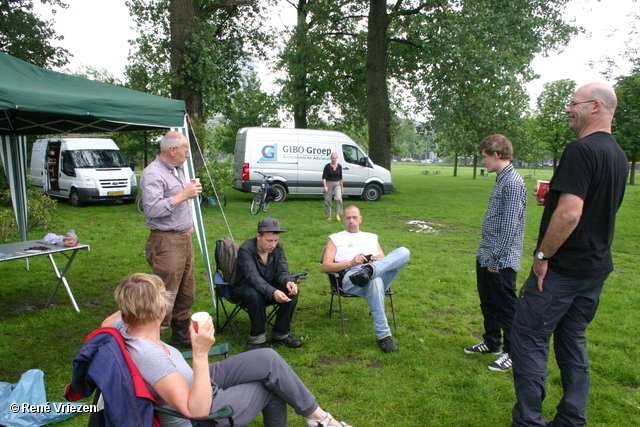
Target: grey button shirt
(159, 185)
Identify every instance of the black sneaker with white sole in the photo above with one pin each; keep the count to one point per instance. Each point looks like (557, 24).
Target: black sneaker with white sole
(481, 348)
(503, 364)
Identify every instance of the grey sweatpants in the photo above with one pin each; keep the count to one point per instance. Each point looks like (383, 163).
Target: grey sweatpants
(259, 380)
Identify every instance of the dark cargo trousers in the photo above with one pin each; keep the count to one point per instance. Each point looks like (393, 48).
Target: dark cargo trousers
(497, 292)
(564, 308)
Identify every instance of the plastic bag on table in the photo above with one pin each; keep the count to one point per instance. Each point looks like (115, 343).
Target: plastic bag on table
(52, 239)
(25, 404)
(70, 239)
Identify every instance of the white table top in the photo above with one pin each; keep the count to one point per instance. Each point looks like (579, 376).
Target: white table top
(21, 249)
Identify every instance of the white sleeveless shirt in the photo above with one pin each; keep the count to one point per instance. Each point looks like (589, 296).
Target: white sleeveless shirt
(348, 245)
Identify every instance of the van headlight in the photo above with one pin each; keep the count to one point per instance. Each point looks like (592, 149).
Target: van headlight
(89, 182)
(133, 181)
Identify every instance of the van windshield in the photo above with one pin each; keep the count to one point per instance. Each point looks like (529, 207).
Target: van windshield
(98, 159)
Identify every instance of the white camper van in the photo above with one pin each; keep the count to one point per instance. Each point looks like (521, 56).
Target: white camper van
(296, 159)
(82, 168)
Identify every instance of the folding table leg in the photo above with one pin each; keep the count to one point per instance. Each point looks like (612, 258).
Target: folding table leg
(62, 278)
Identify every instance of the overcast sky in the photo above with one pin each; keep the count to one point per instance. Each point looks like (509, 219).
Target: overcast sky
(97, 34)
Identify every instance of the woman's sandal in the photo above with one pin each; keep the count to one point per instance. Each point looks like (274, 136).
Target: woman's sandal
(326, 422)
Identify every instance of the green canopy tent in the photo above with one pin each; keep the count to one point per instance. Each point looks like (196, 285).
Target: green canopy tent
(36, 101)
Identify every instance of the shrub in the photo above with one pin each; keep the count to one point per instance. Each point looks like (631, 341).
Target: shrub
(221, 174)
(41, 213)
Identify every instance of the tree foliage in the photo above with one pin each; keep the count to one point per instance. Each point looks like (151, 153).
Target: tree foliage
(552, 121)
(248, 106)
(626, 125)
(24, 35)
(439, 51)
(195, 50)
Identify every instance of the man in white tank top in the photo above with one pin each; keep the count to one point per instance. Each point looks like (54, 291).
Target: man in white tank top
(368, 272)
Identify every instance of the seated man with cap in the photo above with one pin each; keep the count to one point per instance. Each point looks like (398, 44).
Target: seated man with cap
(262, 279)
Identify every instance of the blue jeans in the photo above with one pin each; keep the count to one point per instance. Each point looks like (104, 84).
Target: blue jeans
(385, 271)
(564, 308)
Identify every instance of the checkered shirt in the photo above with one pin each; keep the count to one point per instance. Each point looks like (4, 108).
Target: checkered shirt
(503, 224)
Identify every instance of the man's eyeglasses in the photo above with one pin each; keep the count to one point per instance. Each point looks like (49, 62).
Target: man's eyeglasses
(573, 104)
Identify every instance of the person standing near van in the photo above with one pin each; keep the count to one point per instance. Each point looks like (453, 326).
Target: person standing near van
(169, 249)
(333, 186)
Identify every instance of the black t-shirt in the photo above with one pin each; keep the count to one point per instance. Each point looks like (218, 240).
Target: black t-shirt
(332, 175)
(595, 169)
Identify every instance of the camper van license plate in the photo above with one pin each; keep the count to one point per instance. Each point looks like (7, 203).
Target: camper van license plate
(116, 193)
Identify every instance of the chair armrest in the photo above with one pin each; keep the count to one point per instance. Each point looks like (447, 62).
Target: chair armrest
(225, 412)
(215, 350)
(297, 276)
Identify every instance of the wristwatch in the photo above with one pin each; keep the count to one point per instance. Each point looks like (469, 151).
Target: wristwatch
(541, 256)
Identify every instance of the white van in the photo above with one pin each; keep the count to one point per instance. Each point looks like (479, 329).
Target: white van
(296, 159)
(82, 168)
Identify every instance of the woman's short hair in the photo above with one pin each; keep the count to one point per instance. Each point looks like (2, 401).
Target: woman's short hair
(497, 144)
(334, 154)
(141, 298)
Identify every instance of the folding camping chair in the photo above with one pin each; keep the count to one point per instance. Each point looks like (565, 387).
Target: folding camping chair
(121, 396)
(335, 282)
(223, 293)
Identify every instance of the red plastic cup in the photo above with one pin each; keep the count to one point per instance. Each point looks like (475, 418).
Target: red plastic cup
(543, 189)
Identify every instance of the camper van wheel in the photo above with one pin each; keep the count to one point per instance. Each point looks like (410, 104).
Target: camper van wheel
(279, 193)
(74, 198)
(372, 193)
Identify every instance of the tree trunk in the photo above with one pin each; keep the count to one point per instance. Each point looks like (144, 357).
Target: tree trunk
(182, 14)
(475, 166)
(378, 112)
(299, 68)
(455, 165)
(632, 172)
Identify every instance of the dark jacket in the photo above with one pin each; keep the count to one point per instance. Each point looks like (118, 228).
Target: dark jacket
(103, 362)
(266, 279)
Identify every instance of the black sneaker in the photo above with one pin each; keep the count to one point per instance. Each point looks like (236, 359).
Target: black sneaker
(387, 345)
(256, 346)
(287, 342)
(481, 348)
(503, 364)
(362, 277)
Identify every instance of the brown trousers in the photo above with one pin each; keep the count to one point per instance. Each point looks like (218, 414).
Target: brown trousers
(170, 255)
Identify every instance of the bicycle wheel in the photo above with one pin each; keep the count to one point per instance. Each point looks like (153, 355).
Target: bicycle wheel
(256, 204)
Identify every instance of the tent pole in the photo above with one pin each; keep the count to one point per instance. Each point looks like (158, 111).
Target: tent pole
(197, 216)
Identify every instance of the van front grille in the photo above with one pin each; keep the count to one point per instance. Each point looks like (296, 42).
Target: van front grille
(114, 183)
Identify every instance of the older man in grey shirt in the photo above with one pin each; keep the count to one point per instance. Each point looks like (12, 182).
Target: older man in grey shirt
(169, 249)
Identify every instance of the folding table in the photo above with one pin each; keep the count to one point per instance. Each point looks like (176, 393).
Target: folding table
(21, 250)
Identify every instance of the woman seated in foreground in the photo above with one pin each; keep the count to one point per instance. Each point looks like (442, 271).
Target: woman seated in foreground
(259, 380)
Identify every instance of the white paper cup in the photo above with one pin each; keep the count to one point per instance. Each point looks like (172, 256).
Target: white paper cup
(195, 181)
(199, 319)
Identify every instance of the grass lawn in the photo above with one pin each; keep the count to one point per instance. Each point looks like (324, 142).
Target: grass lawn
(429, 382)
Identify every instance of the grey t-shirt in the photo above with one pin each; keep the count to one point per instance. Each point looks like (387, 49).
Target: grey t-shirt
(155, 364)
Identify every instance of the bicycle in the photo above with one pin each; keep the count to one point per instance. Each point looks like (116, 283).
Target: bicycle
(264, 196)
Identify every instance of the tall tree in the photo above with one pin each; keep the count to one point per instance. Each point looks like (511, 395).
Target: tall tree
(552, 120)
(198, 48)
(24, 35)
(424, 46)
(626, 125)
